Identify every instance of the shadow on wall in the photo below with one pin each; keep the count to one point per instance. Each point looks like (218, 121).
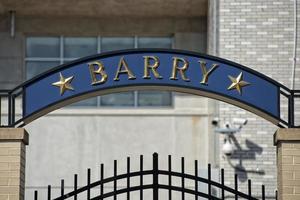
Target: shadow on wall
(241, 154)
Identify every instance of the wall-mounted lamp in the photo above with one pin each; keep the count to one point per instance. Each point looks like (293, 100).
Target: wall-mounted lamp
(227, 148)
(229, 129)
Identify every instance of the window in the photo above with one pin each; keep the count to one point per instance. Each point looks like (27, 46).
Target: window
(43, 53)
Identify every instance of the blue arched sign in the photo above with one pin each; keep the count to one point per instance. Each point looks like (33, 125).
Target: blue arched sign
(152, 69)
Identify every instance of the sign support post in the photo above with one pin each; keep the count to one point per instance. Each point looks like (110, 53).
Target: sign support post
(12, 165)
(287, 142)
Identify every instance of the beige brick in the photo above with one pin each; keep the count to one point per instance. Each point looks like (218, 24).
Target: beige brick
(291, 182)
(297, 190)
(3, 197)
(10, 144)
(4, 166)
(14, 151)
(296, 159)
(286, 145)
(288, 175)
(288, 190)
(292, 152)
(9, 190)
(297, 174)
(14, 197)
(14, 166)
(3, 151)
(9, 173)
(287, 159)
(296, 146)
(290, 167)
(4, 174)
(14, 181)
(4, 181)
(291, 197)
(9, 158)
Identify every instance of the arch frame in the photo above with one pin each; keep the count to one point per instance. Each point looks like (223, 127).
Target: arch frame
(283, 91)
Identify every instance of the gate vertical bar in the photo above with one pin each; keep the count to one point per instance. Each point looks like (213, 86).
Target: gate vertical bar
(291, 110)
(236, 186)
(35, 195)
(141, 177)
(155, 176)
(62, 187)
(222, 182)
(182, 178)
(75, 186)
(128, 178)
(13, 108)
(9, 109)
(49, 192)
(263, 192)
(101, 178)
(169, 176)
(196, 181)
(0, 110)
(88, 184)
(209, 180)
(249, 187)
(115, 179)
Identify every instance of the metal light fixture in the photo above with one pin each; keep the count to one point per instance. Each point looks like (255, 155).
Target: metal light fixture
(229, 130)
(227, 148)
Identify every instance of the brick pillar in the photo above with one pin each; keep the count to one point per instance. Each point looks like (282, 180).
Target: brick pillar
(288, 163)
(12, 163)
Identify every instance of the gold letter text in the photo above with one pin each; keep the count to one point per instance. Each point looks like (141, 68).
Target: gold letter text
(99, 71)
(126, 70)
(205, 73)
(181, 70)
(153, 67)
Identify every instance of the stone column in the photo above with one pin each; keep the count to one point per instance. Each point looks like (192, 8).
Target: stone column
(288, 163)
(12, 163)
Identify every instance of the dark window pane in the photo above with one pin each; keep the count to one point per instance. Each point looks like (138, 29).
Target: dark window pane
(154, 98)
(155, 42)
(45, 47)
(76, 47)
(116, 43)
(34, 68)
(86, 102)
(118, 99)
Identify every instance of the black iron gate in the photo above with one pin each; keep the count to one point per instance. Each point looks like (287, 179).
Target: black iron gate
(155, 186)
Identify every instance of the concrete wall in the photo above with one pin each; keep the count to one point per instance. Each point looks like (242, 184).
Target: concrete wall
(69, 141)
(11, 60)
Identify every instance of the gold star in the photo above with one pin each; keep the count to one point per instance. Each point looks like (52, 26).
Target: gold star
(237, 83)
(64, 84)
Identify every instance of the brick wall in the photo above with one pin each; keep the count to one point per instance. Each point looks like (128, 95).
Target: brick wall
(257, 34)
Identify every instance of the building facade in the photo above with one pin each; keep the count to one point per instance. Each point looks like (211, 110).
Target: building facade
(37, 35)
